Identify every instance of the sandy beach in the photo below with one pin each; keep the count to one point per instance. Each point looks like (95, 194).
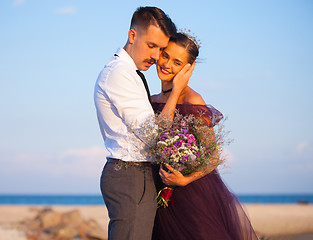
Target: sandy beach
(273, 221)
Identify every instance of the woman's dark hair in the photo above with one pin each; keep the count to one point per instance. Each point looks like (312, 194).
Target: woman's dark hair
(146, 16)
(189, 43)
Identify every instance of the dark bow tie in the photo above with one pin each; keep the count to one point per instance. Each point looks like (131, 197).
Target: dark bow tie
(143, 80)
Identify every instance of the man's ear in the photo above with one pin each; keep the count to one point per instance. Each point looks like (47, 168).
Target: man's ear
(132, 34)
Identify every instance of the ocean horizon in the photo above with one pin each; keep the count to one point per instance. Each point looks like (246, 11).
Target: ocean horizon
(94, 199)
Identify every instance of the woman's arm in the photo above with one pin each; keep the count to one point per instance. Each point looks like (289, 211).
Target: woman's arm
(180, 81)
(176, 178)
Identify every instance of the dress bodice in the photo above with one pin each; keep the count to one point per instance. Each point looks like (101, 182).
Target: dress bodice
(207, 112)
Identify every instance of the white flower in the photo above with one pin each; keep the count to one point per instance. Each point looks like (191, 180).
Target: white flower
(162, 143)
(182, 148)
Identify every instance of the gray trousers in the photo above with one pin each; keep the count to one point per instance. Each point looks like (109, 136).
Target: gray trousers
(129, 194)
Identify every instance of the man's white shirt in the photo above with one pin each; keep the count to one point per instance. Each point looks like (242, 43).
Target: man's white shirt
(121, 101)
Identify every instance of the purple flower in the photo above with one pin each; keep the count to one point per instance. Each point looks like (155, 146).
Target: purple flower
(179, 143)
(184, 129)
(184, 159)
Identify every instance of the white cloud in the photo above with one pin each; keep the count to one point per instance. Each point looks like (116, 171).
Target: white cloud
(68, 10)
(70, 171)
(304, 157)
(91, 152)
(84, 162)
(303, 147)
(18, 2)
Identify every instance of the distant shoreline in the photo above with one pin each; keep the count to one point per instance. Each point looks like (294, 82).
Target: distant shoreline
(94, 199)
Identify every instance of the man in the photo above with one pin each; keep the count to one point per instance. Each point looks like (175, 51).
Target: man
(122, 99)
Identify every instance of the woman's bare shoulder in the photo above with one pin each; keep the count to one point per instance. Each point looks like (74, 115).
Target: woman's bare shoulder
(192, 97)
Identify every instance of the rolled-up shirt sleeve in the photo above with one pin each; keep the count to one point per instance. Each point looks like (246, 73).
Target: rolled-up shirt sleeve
(121, 103)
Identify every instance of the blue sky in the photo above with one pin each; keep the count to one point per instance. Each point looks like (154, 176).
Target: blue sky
(256, 68)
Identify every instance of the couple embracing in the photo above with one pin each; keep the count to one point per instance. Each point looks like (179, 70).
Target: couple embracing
(204, 208)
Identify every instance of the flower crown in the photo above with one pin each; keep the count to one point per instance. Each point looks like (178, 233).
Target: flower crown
(190, 36)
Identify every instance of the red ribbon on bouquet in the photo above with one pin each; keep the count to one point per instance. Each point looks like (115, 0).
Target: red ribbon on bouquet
(165, 196)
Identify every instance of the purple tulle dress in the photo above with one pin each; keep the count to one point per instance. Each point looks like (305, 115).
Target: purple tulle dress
(205, 208)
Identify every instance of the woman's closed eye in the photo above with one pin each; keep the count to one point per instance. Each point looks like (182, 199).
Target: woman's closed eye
(177, 63)
(164, 55)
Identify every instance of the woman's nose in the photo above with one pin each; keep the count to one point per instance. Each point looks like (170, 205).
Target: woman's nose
(167, 64)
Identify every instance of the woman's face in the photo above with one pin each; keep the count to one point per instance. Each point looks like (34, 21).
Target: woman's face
(172, 59)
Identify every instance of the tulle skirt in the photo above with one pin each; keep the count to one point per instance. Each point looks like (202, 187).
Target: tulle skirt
(204, 209)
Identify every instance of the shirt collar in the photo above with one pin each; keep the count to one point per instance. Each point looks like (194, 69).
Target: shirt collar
(123, 55)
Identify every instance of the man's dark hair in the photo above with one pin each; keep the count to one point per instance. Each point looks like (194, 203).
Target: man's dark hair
(143, 17)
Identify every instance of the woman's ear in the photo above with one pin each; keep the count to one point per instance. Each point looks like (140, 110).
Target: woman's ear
(132, 34)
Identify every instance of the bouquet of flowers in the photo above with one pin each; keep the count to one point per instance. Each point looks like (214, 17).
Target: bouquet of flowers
(187, 143)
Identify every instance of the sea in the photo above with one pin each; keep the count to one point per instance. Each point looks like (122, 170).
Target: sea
(20, 199)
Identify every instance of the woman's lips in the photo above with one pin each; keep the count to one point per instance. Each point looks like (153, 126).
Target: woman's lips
(164, 71)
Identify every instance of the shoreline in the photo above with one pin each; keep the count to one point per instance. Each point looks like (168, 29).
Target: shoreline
(274, 221)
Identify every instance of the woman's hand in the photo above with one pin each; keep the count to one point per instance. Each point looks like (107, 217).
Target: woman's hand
(181, 80)
(174, 178)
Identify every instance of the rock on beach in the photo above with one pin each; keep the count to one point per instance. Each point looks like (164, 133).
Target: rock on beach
(49, 224)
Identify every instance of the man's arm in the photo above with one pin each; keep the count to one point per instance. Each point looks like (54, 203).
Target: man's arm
(128, 97)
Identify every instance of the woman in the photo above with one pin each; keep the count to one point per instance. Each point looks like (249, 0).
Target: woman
(203, 207)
